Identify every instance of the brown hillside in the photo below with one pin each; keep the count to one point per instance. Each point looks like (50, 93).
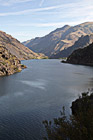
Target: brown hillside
(59, 39)
(16, 48)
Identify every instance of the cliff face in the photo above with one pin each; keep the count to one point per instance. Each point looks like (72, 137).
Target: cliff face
(16, 48)
(60, 39)
(9, 63)
(82, 56)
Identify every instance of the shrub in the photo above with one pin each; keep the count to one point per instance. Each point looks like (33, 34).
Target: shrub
(78, 127)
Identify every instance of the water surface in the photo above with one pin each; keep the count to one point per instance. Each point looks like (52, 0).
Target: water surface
(38, 93)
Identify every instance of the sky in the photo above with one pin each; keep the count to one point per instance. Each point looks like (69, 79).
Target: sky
(27, 19)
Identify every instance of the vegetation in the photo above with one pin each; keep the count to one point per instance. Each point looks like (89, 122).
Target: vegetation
(78, 127)
(23, 66)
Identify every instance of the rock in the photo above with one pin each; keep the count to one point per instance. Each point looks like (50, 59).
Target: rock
(9, 63)
(82, 104)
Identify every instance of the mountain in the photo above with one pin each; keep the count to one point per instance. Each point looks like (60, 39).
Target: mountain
(59, 39)
(82, 42)
(82, 56)
(9, 63)
(16, 48)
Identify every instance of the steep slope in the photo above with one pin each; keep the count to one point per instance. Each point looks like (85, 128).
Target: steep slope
(82, 56)
(9, 63)
(82, 42)
(16, 48)
(59, 39)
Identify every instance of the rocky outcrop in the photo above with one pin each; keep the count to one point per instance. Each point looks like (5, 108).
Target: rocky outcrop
(16, 48)
(9, 64)
(59, 40)
(82, 104)
(82, 56)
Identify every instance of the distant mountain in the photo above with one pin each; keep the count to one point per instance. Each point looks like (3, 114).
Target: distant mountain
(16, 48)
(82, 56)
(82, 42)
(59, 39)
(9, 63)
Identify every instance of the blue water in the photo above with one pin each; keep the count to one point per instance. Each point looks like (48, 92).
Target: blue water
(38, 93)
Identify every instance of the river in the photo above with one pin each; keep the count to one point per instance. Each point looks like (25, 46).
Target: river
(38, 93)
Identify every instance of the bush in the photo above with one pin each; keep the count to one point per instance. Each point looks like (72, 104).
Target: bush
(78, 127)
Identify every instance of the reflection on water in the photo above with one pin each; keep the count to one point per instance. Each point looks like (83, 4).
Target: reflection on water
(39, 83)
(38, 93)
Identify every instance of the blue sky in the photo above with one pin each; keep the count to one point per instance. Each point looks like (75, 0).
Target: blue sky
(26, 19)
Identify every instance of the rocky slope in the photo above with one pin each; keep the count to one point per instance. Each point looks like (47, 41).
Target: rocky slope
(9, 63)
(16, 48)
(82, 42)
(59, 39)
(82, 56)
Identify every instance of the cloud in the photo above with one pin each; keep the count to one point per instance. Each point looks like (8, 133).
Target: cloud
(41, 2)
(79, 7)
(30, 10)
(12, 2)
(35, 10)
(54, 24)
(69, 6)
(80, 12)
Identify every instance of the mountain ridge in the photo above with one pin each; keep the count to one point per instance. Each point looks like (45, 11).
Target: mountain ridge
(59, 39)
(82, 42)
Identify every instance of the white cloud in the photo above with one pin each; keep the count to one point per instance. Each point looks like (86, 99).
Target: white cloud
(30, 10)
(72, 6)
(11, 2)
(79, 12)
(36, 10)
(56, 24)
(78, 7)
(41, 2)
